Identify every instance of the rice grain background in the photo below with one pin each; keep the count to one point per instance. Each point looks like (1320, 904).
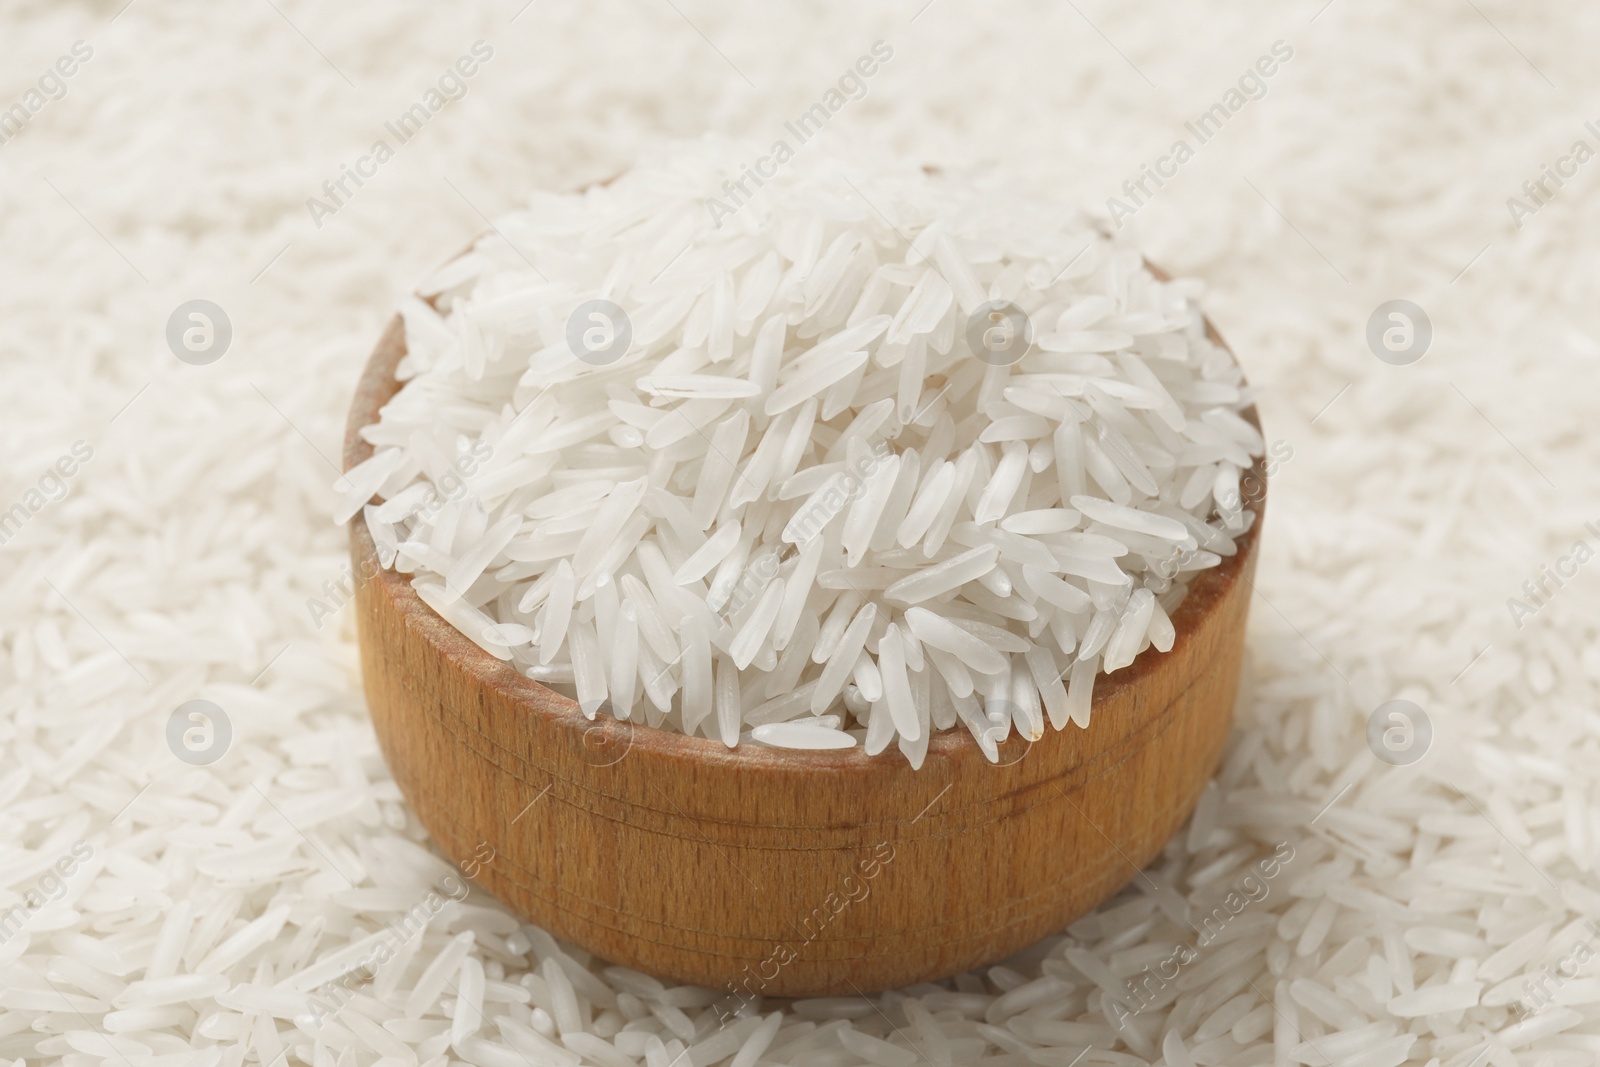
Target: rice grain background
(1411, 504)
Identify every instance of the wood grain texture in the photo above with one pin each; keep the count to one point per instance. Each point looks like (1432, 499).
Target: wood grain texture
(783, 873)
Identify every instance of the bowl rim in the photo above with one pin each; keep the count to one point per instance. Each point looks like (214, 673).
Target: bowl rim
(377, 384)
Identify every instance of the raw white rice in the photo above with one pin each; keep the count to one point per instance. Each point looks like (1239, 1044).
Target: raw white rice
(833, 449)
(195, 539)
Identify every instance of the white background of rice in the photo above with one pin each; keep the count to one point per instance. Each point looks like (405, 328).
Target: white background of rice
(1413, 507)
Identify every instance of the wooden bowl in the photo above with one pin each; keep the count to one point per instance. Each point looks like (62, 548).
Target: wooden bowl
(772, 872)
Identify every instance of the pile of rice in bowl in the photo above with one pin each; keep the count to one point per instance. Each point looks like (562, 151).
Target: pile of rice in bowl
(842, 456)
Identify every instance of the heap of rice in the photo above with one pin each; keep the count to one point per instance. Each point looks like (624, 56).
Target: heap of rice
(867, 455)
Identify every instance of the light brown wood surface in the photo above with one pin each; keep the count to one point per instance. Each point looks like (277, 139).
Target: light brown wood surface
(786, 873)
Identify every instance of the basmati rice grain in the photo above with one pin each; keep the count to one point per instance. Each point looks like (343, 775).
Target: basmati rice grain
(802, 735)
(1080, 688)
(758, 1042)
(1125, 641)
(896, 685)
(749, 640)
(1436, 1000)
(874, 1050)
(437, 973)
(727, 701)
(868, 679)
(1027, 714)
(945, 576)
(1175, 1052)
(587, 670)
(160, 992)
(880, 727)
(931, 496)
(841, 660)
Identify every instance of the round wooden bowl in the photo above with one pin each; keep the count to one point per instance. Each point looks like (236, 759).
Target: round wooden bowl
(765, 871)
